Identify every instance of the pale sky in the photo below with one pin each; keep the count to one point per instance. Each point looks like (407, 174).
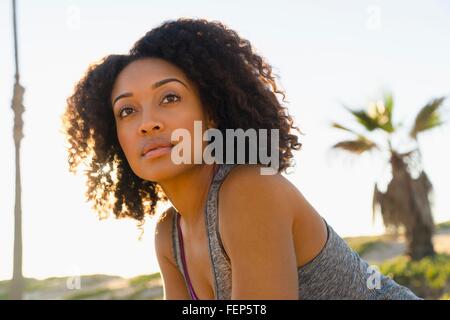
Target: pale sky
(325, 53)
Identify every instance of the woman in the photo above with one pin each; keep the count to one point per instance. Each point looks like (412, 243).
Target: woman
(262, 240)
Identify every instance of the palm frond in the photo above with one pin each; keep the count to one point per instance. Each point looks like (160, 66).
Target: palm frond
(339, 126)
(377, 116)
(384, 117)
(381, 112)
(364, 119)
(389, 103)
(358, 146)
(428, 117)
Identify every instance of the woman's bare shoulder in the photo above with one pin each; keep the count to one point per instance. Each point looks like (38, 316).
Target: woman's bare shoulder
(163, 233)
(247, 195)
(269, 205)
(255, 227)
(247, 180)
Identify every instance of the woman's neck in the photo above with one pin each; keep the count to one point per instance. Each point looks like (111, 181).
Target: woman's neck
(188, 192)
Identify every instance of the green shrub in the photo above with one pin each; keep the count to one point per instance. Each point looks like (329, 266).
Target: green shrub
(445, 296)
(443, 226)
(144, 279)
(91, 294)
(364, 244)
(428, 278)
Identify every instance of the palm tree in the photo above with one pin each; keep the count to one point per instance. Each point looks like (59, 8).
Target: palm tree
(16, 290)
(406, 202)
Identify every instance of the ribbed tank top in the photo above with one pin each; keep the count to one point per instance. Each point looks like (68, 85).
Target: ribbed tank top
(337, 272)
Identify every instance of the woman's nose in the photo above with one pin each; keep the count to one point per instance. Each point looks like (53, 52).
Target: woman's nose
(149, 124)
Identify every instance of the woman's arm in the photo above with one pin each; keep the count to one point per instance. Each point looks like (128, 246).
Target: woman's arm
(256, 228)
(174, 285)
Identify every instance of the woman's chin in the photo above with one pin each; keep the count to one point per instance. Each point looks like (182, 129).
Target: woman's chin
(158, 171)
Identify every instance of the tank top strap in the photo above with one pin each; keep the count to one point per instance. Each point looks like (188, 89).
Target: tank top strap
(220, 261)
(221, 264)
(177, 249)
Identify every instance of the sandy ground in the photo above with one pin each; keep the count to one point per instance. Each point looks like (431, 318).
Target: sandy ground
(117, 287)
(377, 255)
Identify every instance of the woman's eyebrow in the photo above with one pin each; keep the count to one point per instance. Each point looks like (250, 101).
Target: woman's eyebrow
(123, 95)
(164, 81)
(154, 86)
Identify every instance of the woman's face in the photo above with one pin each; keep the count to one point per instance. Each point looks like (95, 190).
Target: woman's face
(151, 98)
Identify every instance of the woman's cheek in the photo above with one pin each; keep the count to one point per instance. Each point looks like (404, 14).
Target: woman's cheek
(126, 143)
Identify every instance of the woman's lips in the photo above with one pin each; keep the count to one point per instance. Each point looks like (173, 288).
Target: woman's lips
(157, 152)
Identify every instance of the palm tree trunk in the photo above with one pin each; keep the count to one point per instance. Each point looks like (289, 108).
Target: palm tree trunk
(419, 240)
(406, 203)
(420, 233)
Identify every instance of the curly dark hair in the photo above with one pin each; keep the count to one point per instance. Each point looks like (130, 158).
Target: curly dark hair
(236, 86)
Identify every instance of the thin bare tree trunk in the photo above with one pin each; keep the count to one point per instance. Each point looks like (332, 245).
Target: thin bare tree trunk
(17, 283)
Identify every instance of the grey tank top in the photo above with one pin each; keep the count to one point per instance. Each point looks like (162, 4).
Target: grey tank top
(337, 272)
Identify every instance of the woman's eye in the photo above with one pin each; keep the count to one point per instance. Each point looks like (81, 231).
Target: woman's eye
(123, 113)
(170, 98)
